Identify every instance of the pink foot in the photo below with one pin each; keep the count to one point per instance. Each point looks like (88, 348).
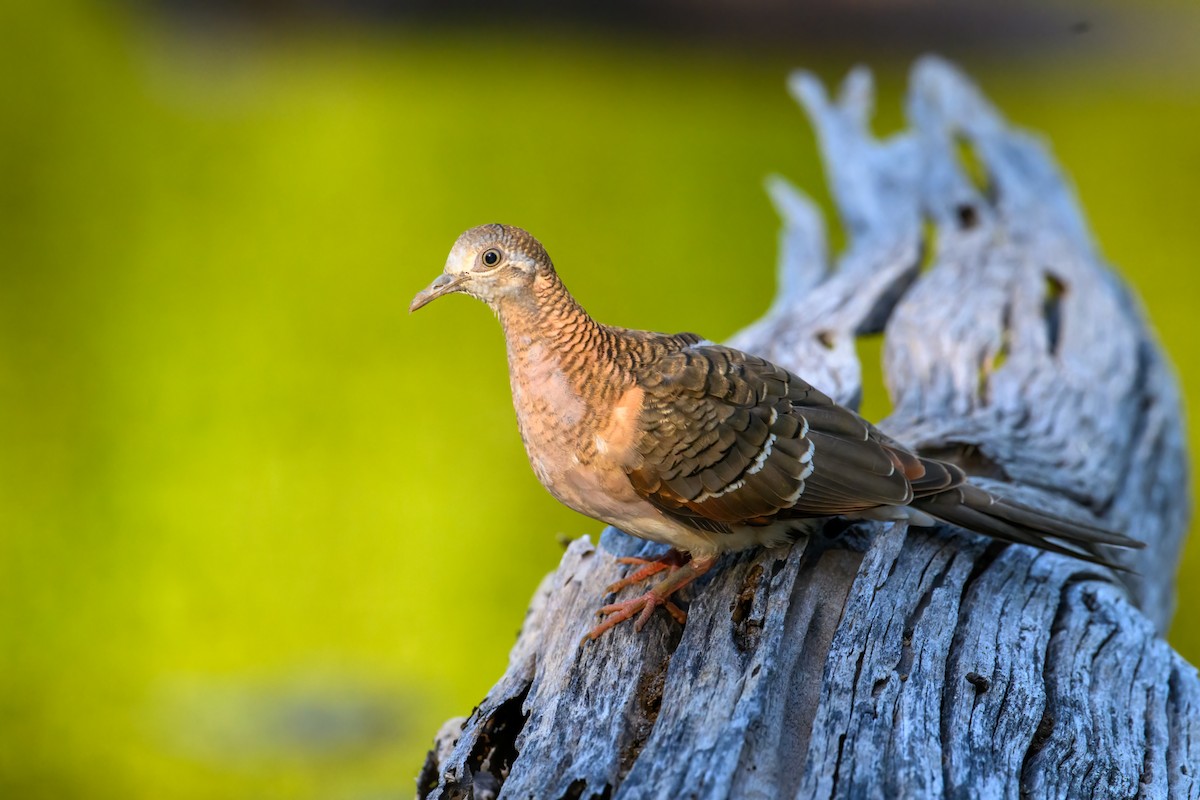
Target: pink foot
(649, 568)
(682, 569)
(642, 606)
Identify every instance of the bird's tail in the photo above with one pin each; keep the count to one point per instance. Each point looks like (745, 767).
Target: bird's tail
(971, 507)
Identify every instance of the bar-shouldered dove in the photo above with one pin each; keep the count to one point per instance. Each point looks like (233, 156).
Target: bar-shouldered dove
(705, 448)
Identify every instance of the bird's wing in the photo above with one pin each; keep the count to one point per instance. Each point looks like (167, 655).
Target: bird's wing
(728, 439)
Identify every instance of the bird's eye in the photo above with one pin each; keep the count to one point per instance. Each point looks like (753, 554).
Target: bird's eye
(491, 257)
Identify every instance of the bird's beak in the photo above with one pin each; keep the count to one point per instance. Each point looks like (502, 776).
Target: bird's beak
(442, 284)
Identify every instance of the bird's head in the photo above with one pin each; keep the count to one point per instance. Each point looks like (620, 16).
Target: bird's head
(491, 263)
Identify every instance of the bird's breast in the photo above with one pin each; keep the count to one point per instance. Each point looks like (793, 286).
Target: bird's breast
(579, 431)
(550, 411)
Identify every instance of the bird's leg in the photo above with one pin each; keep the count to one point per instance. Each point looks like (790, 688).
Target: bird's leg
(671, 559)
(643, 605)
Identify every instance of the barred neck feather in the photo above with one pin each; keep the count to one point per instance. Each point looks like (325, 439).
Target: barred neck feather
(550, 319)
(569, 372)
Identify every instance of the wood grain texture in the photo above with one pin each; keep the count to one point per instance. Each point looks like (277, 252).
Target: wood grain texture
(883, 661)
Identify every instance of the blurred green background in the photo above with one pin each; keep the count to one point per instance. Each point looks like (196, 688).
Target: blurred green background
(261, 532)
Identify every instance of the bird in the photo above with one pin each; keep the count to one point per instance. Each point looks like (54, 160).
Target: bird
(702, 447)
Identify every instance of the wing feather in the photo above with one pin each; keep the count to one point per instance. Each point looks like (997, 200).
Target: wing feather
(728, 439)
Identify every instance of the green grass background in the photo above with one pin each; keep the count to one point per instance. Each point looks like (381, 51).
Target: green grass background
(260, 530)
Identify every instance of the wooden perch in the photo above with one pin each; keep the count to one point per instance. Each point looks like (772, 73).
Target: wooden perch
(888, 662)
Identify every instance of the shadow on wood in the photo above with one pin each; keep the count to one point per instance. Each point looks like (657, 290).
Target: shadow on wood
(883, 661)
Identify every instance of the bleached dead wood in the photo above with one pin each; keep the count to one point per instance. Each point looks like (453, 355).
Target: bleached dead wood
(887, 662)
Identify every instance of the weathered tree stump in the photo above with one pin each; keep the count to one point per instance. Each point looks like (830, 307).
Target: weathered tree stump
(888, 662)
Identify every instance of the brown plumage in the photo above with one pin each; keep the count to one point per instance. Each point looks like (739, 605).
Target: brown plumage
(703, 447)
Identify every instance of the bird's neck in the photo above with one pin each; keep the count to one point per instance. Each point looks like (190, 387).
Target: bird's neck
(566, 369)
(547, 322)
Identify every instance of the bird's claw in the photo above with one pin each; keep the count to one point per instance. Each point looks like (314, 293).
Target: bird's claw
(648, 569)
(642, 606)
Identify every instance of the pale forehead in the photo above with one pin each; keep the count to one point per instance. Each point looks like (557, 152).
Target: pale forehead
(514, 241)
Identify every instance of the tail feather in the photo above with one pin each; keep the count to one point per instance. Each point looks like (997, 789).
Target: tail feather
(975, 509)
